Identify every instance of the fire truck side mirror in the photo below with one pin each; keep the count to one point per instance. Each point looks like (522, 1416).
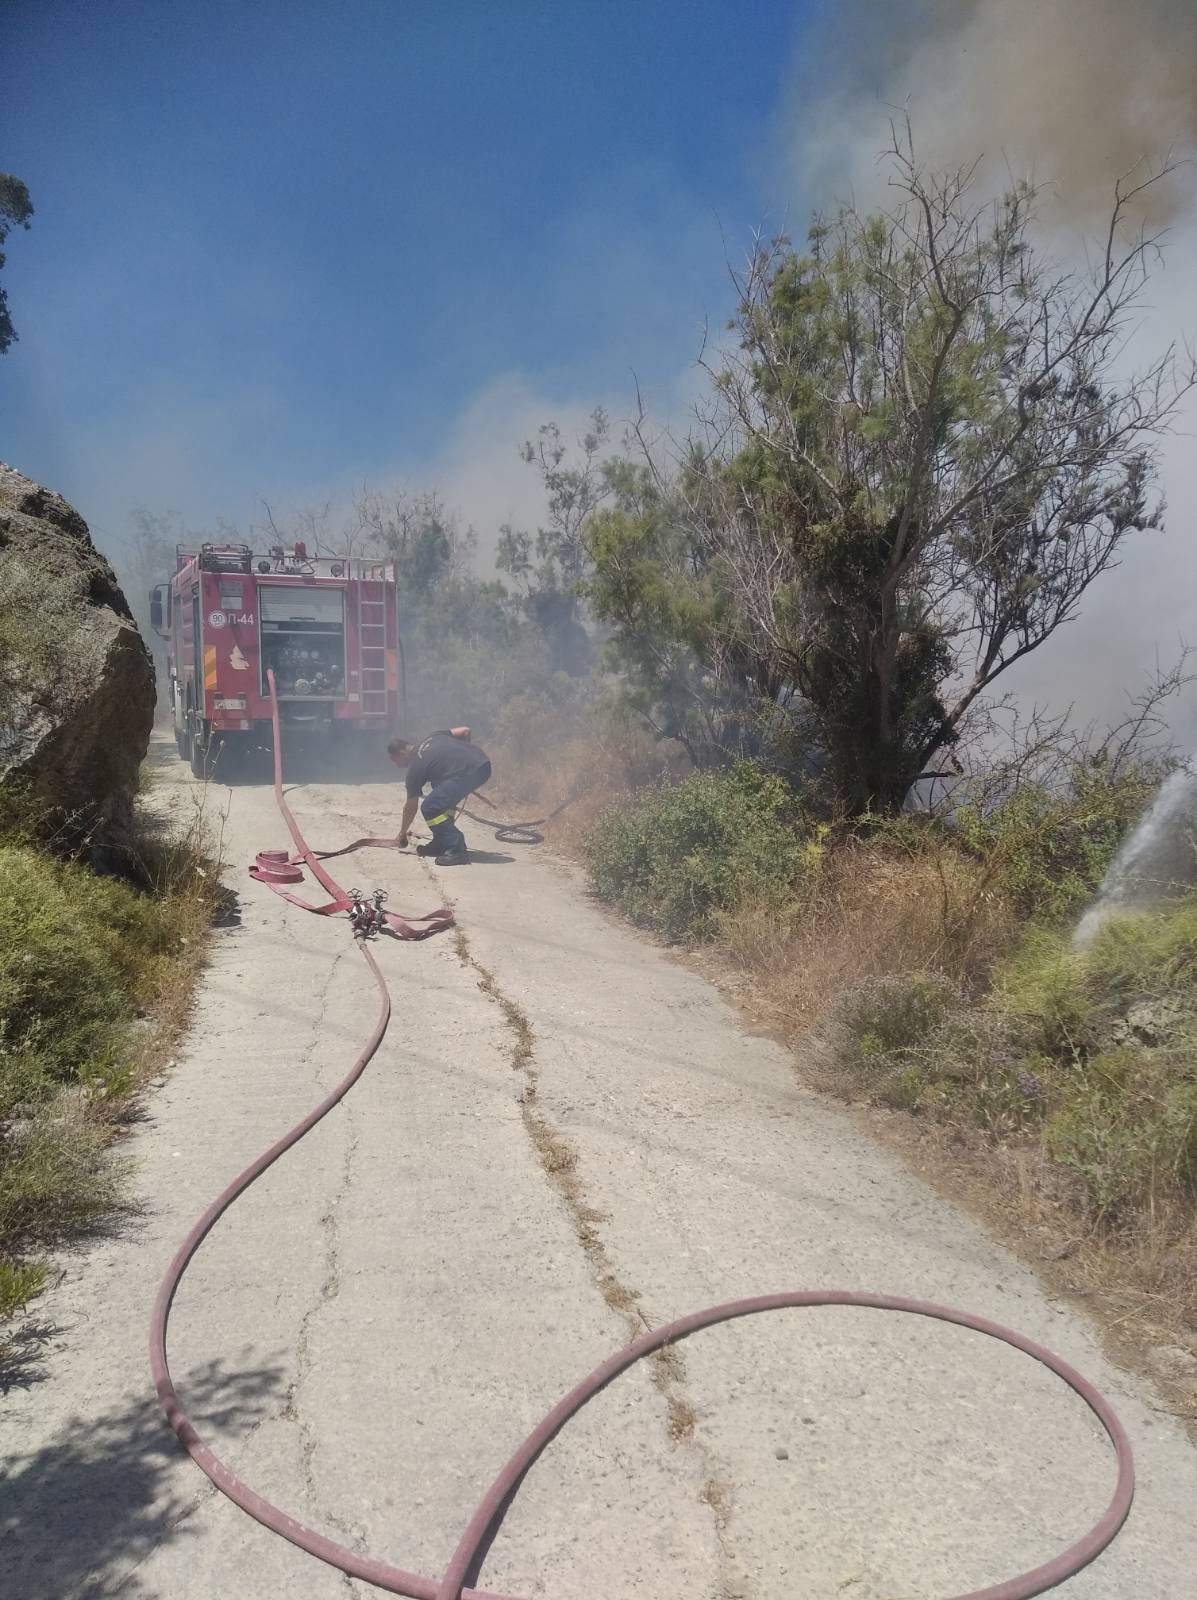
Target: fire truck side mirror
(160, 609)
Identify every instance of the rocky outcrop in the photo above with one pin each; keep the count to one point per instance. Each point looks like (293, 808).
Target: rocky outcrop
(76, 680)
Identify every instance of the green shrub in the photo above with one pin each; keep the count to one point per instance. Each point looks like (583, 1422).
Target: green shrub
(1127, 1123)
(1094, 1051)
(80, 957)
(63, 999)
(1066, 999)
(1048, 850)
(887, 1016)
(1043, 986)
(1149, 955)
(95, 974)
(678, 856)
(19, 1284)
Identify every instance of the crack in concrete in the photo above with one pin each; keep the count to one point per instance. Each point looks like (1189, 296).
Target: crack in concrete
(207, 1491)
(328, 1290)
(288, 1410)
(559, 1162)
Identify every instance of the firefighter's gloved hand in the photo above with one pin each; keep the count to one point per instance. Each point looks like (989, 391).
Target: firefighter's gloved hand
(402, 841)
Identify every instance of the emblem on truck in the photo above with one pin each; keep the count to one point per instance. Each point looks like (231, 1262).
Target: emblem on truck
(216, 619)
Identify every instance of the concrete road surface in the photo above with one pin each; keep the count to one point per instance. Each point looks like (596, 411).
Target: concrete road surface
(565, 1138)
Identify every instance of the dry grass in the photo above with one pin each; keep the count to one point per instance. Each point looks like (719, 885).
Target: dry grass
(179, 864)
(870, 911)
(591, 773)
(883, 926)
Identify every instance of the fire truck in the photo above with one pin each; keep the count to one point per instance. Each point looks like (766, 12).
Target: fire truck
(328, 627)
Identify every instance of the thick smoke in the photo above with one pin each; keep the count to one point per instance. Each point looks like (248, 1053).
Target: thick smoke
(1074, 94)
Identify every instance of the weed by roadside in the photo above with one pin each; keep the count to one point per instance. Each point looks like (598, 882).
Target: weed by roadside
(898, 900)
(606, 766)
(1077, 1069)
(97, 969)
(1046, 850)
(686, 853)
(19, 1285)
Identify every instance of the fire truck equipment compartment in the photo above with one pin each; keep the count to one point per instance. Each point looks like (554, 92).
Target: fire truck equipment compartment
(303, 641)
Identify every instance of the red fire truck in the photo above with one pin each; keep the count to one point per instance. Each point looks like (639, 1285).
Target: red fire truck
(327, 626)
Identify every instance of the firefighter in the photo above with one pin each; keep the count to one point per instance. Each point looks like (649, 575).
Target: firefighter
(455, 768)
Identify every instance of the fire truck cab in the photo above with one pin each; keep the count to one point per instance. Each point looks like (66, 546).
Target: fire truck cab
(328, 627)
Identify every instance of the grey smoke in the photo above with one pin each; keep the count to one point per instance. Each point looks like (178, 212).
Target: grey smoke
(1073, 92)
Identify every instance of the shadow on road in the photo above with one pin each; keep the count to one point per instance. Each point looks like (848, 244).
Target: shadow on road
(80, 1514)
(20, 1354)
(228, 908)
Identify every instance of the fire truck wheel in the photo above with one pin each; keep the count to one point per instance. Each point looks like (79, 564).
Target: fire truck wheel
(183, 744)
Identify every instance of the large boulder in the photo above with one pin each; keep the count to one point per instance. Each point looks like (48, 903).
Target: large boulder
(76, 680)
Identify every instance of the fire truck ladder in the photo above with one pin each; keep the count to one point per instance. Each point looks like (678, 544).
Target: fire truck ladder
(372, 642)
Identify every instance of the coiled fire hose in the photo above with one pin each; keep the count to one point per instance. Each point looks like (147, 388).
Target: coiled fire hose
(492, 1508)
(519, 832)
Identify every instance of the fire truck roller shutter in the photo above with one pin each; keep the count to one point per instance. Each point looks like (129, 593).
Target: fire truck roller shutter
(303, 640)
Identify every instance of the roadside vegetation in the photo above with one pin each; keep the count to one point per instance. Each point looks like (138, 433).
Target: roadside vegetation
(929, 966)
(96, 975)
(103, 927)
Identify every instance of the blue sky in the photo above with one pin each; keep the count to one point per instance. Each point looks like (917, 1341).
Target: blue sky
(279, 247)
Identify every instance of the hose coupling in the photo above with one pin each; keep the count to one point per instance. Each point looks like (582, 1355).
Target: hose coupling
(366, 915)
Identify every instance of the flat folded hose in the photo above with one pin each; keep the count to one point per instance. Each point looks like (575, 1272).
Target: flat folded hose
(486, 1520)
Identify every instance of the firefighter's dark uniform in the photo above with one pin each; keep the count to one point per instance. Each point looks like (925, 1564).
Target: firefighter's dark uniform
(455, 768)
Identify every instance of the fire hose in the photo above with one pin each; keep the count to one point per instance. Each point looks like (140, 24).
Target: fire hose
(463, 1569)
(519, 832)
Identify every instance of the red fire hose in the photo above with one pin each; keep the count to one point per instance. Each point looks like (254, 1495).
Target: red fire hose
(491, 1510)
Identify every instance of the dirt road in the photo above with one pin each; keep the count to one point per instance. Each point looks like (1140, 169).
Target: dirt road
(384, 1316)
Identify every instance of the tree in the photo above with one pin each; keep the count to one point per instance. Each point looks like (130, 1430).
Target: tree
(446, 607)
(16, 209)
(425, 539)
(675, 643)
(923, 448)
(549, 570)
(144, 558)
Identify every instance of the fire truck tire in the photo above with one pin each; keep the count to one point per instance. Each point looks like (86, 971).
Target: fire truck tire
(182, 745)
